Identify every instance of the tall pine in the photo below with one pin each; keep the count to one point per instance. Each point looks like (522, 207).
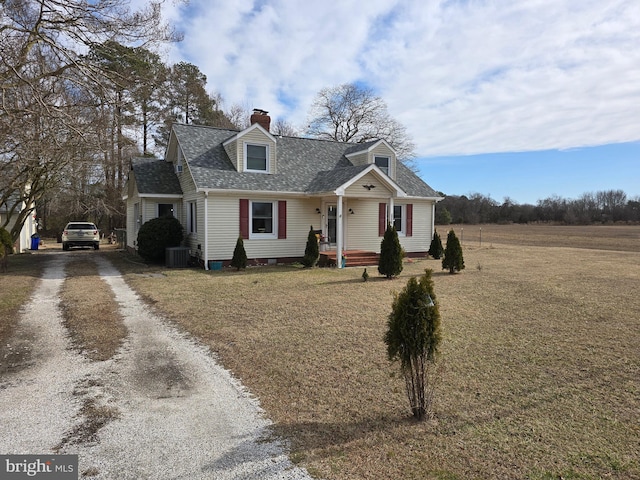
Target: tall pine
(390, 263)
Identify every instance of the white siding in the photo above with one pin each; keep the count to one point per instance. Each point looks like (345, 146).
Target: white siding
(224, 228)
(380, 189)
(362, 226)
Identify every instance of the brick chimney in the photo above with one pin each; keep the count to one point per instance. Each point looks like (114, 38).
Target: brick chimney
(260, 117)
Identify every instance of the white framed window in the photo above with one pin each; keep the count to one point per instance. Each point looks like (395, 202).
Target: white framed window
(399, 219)
(383, 163)
(263, 219)
(192, 217)
(256, 157)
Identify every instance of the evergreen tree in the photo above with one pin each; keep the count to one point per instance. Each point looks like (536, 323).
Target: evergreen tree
(390, 263)
(413, 337)
(435, 249)
(311, 252)
(239, 259)
(453, 254)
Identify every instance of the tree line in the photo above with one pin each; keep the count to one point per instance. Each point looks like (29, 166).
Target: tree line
(597, 207)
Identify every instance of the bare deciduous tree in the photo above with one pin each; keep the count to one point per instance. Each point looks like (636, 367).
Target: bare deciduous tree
(44, 77)
(352, 113)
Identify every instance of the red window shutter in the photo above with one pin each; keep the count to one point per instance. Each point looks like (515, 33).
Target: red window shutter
(244, 218)
(409, 231)
(382, 219)
(282, 219)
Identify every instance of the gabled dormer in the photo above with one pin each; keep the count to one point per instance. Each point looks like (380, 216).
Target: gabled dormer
(253, 150)
(378, 153)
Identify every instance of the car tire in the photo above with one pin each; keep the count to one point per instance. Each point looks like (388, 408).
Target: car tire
(96, 246)
(65, 246)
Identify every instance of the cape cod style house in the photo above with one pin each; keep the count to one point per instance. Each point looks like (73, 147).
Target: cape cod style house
(271, 189)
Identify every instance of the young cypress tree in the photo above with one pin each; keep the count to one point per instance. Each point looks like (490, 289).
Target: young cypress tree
(435, 249)
(239, 259)
(311, 251)
(390, 263)
(413, 337)
(453, 254)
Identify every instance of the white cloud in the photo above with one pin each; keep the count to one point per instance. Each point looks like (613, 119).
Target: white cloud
(464, 77)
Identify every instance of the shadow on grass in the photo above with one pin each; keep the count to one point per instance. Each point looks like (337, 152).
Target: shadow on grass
(325, 437)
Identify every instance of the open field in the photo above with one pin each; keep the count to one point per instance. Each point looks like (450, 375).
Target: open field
(598, 237)
(540, 359)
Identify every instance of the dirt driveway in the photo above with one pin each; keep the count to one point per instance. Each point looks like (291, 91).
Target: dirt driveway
(162, 408)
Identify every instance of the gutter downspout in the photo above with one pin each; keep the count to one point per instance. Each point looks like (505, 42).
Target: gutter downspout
(206, 230)
(339, 233)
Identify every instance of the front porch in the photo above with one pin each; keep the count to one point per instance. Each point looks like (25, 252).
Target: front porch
(355, 258)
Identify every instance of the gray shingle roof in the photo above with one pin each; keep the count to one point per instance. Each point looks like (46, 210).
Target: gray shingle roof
(155, 176)
(304, 165)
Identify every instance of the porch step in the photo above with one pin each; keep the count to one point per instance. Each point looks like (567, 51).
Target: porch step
(355, 258)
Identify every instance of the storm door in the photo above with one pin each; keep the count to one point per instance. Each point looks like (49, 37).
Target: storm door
(332, 230)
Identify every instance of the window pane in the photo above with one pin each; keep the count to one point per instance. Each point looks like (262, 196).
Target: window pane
(256, 157)
(262, 217)
(383, 164)
(397, 217)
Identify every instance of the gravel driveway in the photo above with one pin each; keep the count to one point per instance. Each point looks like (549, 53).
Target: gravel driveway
(162, 408)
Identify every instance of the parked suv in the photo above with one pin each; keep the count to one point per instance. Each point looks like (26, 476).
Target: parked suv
(80, 234)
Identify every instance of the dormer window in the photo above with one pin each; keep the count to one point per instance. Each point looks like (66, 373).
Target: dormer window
(256, 158)
(383, 164)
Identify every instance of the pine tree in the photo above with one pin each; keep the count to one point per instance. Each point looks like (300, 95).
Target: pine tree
(239, 259)
(413, 337)
(390, 263)
(453, 254)
(435, 249)
(311, 252)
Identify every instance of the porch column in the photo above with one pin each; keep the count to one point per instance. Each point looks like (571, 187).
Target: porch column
(390, 216)
(339, 230)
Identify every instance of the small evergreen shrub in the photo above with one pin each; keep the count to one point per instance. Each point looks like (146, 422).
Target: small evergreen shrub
(5, 240)
(435, 249)
(390, 263)
(239, 259)
(453, 259)
(413, 336)
(311, 251)
(158, 234)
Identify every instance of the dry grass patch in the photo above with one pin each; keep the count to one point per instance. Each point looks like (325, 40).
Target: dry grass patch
(540, 357)
(90, 311)
(16, 287)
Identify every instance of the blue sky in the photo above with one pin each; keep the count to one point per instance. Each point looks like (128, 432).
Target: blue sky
(516, 99)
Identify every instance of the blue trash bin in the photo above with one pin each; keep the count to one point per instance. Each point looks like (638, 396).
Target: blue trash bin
(35, 241)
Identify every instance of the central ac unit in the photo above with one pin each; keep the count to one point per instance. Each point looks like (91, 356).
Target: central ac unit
(177, 257)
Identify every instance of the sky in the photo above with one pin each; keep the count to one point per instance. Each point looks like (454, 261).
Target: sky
(508, 98)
